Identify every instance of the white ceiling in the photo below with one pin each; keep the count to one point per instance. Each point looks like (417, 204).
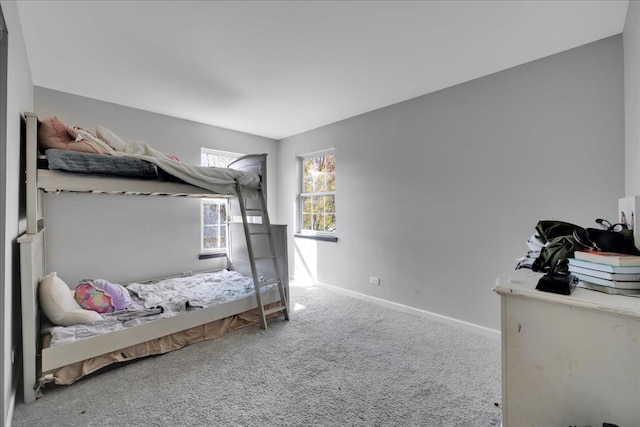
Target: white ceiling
(279, 68)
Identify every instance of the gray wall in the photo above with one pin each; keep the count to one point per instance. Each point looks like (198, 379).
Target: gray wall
(438, 195)
(19, 99)
(123, 238)
(632, 99)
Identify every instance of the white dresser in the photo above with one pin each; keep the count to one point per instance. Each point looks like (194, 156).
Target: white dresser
(568, 360)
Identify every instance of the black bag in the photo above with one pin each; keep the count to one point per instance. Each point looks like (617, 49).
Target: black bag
(611, 239)
(557, 282)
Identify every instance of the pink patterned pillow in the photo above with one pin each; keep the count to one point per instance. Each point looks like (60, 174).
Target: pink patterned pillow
(92, 298)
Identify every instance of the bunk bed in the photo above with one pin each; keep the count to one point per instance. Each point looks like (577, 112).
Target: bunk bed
(66, 362)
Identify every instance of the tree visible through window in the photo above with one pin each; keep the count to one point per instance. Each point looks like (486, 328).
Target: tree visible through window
(214, 211)
(317, 199)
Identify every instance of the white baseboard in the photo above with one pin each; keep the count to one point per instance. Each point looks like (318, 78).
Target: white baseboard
(481, 330)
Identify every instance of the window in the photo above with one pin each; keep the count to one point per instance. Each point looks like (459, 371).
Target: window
(214, 211)
(318, 194)
(214, 225)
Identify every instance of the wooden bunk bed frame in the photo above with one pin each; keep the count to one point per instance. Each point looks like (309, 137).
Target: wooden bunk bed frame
(37, 359)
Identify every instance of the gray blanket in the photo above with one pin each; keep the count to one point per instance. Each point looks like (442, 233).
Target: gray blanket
(76, 161)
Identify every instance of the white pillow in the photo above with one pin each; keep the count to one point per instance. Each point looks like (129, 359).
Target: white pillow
(59, 305)
(111, 138)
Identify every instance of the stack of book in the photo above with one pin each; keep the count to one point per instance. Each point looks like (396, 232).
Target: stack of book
(608, 272)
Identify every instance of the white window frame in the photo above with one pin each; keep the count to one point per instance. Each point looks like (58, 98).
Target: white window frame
(204, 152)
(219, 203)
(302, 195)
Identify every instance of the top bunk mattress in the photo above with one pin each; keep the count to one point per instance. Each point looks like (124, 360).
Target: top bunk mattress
(66, 170)
(91, 165)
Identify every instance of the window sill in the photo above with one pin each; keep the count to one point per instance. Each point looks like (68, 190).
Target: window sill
(212, 255)
(320, 238)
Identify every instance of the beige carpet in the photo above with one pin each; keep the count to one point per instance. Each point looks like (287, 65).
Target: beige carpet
(339, 361)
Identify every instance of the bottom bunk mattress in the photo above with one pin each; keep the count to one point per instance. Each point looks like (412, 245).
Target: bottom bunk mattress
(157, 299)
(162, 316)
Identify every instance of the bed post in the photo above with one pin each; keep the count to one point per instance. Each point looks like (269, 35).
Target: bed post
(32, 267)
(33, 212)
(32, 263)
(253, 163)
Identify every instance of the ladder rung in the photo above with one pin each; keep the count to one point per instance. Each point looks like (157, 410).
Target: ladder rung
(259, 232)
(275, 310)
(255, 209)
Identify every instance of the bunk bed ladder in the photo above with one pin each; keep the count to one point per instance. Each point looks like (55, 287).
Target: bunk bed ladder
(249, 235)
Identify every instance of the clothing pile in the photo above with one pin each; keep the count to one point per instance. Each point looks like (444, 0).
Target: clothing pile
(555, 241)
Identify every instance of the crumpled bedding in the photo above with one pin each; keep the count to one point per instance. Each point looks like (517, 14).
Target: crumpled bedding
(161, 299)
(214, 179)
(210, 178)
(207, 177)
(200, 290)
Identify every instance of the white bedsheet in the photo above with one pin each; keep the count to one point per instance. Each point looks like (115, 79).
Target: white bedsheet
(164, 298)
(210, 178)
(218, 180)
(200, 290)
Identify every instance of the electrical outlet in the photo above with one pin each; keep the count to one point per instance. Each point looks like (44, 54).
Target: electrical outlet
(374, 280)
